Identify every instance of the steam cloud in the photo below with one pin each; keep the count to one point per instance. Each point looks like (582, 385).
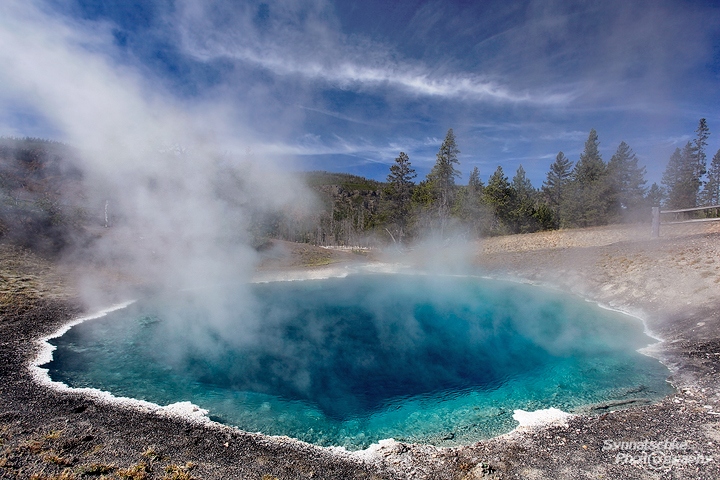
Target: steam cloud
(181, 196)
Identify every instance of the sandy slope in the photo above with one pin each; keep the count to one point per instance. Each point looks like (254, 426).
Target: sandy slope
(673, 283)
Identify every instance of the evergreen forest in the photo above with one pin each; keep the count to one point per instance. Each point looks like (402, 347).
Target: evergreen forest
(44, 203)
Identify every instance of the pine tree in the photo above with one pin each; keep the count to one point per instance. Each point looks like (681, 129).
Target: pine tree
(522, 185)
(556, 184)
(399, 191)
(471, 208)
(680, 178)
(671, 178)
(591, 167)
(627, 181)
(522, 203)
(690, 181)
(423, 205)
(655, 195)
(587, 203)
(498, 195)
(700, 159)
(685, 170)
(711, 192)
(475, 184)
(443, 175)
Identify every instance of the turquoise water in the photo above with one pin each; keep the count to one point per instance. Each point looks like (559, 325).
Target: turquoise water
(350, 361)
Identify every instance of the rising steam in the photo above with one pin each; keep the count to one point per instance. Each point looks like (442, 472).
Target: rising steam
(180, 188)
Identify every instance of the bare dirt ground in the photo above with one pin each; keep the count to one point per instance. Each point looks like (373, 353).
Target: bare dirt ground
(672, 283)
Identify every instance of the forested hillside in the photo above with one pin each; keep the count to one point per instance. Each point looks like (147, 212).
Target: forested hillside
(41, 197)
(45, 206)
(588, 192)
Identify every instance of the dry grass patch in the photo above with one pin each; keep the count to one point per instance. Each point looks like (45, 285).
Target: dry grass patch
(136, 472)
(64, 475)
(56, 459)
(177, 472)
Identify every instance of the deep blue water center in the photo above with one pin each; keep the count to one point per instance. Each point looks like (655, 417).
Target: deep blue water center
(350, 361)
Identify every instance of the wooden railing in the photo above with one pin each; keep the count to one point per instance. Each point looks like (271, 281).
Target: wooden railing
(683, 215)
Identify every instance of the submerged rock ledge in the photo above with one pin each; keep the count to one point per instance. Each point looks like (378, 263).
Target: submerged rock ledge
(672, 283)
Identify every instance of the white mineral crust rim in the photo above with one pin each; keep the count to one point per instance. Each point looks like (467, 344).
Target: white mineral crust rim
(42, 375)
(540, 418)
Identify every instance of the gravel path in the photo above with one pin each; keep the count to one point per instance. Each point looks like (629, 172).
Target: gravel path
(672, 283)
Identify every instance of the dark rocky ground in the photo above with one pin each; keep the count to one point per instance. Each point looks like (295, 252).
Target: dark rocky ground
(672, 283)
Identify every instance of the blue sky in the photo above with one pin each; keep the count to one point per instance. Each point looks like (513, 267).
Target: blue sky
(345, 86)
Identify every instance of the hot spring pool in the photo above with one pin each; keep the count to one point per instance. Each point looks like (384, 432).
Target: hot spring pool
(350, 361)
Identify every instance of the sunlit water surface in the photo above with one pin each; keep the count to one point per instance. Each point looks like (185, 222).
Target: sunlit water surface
(350, 361)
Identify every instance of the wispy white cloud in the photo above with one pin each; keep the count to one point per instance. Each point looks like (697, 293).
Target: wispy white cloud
(340, 116)
(413, 80)
(314, 51)
(678, 141)
(317, 145)
(421, 151)
(571, 135)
